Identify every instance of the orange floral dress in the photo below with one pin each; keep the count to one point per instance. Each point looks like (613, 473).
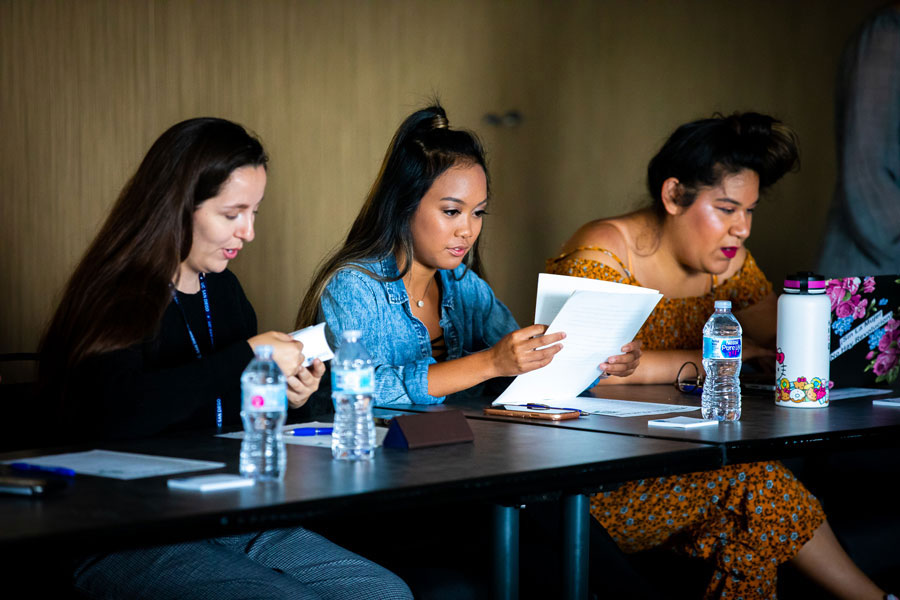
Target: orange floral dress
(676, 323)
(744, 519)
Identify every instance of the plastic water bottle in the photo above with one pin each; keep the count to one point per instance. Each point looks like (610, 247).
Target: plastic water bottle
(352, 391)
(722, 362)
(263, 410)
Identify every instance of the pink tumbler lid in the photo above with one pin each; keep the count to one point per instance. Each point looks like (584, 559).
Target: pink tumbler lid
(804, 281)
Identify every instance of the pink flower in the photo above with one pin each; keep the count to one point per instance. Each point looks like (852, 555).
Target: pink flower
(885, 362)
(892, 325)
(835, 290)
(888, 338)
(859, 311)
(844, 309)
(851, 284)
(870, 355)
(868, 285)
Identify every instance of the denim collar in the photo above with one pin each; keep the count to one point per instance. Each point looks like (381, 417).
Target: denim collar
(396, 291)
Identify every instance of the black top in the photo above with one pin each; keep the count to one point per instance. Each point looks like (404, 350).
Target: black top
(159, 385)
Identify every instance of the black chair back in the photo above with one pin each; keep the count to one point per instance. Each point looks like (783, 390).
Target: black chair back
(23, 421)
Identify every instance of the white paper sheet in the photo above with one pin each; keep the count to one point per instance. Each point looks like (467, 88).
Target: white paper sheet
(314, 343)
(616, 408)
(854, 392)
(554, 290)
(122, 465)
(320, 441)
(597, 325)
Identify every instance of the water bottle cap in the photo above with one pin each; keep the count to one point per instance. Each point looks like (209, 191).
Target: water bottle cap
(805, 282)
(723, 304)
(264, 352)
(351, 335)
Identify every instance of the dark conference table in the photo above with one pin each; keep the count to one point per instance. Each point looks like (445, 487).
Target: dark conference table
(505, 462)
(764, 432)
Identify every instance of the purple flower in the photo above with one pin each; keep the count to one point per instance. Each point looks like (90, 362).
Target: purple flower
(885, 362)
(868, 285)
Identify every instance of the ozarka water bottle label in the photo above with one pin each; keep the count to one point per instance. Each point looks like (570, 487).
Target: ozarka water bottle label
(718, 348)
(264, 398)
(353, 381)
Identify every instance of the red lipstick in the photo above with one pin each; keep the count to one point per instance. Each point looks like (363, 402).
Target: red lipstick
(729, 251)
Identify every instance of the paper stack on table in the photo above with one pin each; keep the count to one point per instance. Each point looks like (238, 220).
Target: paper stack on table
(598, 317)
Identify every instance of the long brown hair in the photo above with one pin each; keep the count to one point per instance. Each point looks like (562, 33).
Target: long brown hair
(423, 148)
(118, 293)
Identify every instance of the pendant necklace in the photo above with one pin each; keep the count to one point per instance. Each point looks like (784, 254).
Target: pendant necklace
(421, 302)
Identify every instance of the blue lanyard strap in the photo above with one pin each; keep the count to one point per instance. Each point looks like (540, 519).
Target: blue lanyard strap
(194, 339)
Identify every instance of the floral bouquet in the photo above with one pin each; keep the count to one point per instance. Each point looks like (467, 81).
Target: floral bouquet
(865, 330)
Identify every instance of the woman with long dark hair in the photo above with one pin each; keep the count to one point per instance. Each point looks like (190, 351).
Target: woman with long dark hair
(153, 331)
(407, 275)
(745, 519)
(152, 335)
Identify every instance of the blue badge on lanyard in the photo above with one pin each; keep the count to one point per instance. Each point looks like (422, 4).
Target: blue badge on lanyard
(212, 343)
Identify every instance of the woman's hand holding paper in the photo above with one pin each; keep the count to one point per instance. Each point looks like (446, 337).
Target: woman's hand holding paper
(524, 350)
(623, 365)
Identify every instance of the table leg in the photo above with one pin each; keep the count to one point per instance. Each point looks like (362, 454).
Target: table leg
(576, 545)
(506, 552)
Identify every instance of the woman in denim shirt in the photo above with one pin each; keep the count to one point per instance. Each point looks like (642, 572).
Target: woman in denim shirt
(407, 276)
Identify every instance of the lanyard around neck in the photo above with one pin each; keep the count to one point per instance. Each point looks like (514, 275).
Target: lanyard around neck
(194, 339)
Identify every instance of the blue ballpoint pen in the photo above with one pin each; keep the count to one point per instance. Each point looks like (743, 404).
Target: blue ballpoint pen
(312, 431)
(24, 466)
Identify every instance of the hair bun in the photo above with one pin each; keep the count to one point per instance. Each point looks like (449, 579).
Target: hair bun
(751, 124)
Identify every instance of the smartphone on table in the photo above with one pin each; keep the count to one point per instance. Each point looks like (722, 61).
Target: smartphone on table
(525, 412)
(28, 486)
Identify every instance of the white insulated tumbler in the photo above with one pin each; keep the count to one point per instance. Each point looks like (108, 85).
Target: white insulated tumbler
(804, 343)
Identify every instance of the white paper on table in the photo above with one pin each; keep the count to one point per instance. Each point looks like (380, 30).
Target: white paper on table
(314, 343)
(597, 325)
(616, 408)
(854, 392)
(554, 290)
(122, 465)
(319, 441)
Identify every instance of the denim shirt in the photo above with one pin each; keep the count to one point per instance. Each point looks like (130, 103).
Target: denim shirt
(471, 316)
